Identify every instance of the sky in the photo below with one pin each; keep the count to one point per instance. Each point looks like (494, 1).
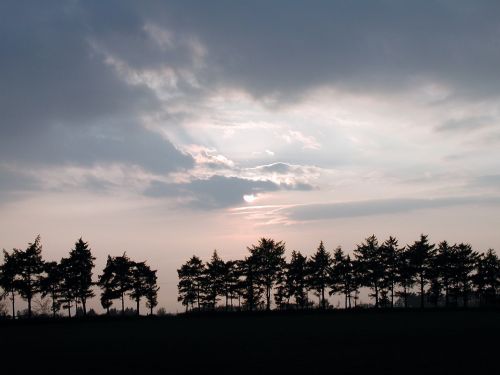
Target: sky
(172, 128)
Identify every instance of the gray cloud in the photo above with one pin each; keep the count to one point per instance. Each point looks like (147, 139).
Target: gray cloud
(279, 167)
(12, 181)
(377, 207)
(61, 103)
(217, 191)
(487, 181)
(285, 47)
(467, 124)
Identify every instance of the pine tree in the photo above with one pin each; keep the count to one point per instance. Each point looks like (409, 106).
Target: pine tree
(151, 288)
(421, 256)
(319, 273)
(230, 282)
(51, 285)
(8, 273)
(342, 278)
(138, 274)
(466, 260)
(388, 253)
(487, 277)
(268, 257)
(442, 269)
(370, 266)
(251, 287)
(68, 284)
(297, 274)
(116, 279)
(81, 263)
(190, 284)
(30, 269)
(213, 281)
(404, 274)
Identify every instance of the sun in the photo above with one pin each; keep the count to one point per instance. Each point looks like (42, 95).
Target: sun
(249, 198)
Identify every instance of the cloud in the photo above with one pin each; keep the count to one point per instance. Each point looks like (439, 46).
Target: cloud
(377, 46)
(467, 124)
(65, 103)
(327, 211)
(217, 191)
(487, 181)
(281, 172)
(307, 142)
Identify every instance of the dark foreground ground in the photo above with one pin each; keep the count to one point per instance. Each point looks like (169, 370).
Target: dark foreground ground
(359, 342)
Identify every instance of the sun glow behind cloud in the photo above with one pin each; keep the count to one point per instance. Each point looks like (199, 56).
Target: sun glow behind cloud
(249, 198)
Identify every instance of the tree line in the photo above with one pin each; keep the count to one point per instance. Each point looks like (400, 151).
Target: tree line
(68, 283)
(440, 274)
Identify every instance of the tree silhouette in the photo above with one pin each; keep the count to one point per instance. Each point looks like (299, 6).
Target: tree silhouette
(465, 262)
(81, 263)
(151, 288)
(442, 269)
(404, 274)
(319, 273)
(230, 282)
(251, 287)
(487, 278)
(342, 278)
(142, 284)
(297, 275)
(116, 279)
(213, 280)
(370, 266)
(51, 285)
(421, 255)
(8, 272)
(191, 282)
(30, 269)
(268, 258)
(68, 284)
(389, 253)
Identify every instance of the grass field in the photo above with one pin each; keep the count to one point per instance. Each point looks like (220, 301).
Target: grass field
(383, 342)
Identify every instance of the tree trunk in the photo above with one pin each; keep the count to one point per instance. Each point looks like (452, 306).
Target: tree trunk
(322, 297)
(29, 307)
(421, 290)
(13, 305)
(376, 294)
(84, 306)
(53, 304)
(123, 304)
(405, 293)
(268, 298)
(138, 302)
(392, 295)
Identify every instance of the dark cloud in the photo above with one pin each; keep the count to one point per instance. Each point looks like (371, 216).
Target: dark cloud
(61, 103)
(217, 191)
(92, 145)
(378, 207)
(285, 47)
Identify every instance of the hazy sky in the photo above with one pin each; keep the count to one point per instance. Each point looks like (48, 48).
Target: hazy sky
(171, 128)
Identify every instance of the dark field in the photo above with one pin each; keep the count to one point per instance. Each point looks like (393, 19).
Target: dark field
(383, 342)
